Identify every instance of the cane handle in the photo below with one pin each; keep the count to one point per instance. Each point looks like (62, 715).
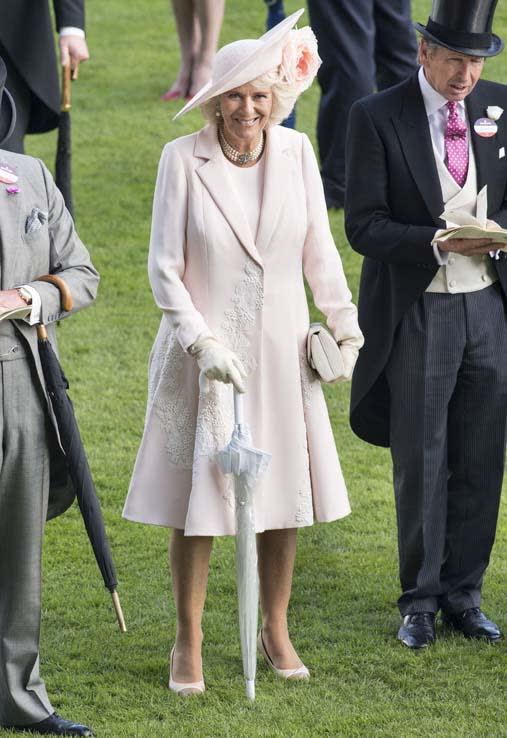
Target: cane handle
(65, 104)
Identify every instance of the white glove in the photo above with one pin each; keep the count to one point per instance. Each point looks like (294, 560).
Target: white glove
(349, 355)
(216, 361)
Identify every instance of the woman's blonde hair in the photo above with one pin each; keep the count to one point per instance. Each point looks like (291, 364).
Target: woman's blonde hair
(284, 99)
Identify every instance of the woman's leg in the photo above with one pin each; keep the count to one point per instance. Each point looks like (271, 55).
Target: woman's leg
(210, 14)
(184, 14)
(189, 557)
(276, 553)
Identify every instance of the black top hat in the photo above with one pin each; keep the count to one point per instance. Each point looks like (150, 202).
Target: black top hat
(464, 26)
(7, 107)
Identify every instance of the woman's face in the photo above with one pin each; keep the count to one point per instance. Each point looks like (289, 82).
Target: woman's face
(245, 112)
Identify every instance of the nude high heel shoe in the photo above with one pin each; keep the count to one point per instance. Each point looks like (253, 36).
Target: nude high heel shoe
(185, 689)
(300, 673)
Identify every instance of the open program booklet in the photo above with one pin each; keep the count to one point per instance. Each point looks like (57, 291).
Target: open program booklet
(461, 224)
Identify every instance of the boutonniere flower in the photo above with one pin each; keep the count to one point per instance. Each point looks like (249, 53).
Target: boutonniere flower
(13, 190)
(494, 112)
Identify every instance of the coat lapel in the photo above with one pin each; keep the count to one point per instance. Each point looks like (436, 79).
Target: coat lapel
(485, 149)
(213, 174)
(10, 234)
(414, 134)
(277, 177)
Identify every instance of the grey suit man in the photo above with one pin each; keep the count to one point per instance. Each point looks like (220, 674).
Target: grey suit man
(37, 237)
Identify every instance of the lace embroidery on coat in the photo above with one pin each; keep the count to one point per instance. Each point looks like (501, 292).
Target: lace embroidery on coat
(304, 510)
(216, 408)
(239, 320)
(166, 395)
(309, 379)
(215, 419)
(188, 438)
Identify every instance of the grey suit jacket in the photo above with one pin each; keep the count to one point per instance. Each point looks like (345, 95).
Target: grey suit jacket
(54, 248)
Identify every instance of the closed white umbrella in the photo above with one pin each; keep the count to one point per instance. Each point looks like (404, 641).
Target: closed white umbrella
(247, 463)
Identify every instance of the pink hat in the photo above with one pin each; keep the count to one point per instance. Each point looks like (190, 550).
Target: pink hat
(243, 61)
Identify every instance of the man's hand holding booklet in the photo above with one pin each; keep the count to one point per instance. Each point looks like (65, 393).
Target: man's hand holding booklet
(12, 306)
(464, 225)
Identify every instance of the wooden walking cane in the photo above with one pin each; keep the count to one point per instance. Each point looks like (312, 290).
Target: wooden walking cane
(63, 160)
(77, 463)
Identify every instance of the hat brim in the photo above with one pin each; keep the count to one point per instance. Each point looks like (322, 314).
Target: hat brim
(247, 69)
(496, 46)
(7, 116)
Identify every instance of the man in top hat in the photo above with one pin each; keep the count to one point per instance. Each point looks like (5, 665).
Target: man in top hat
(37, 237)
(431, 380)
(28, 50)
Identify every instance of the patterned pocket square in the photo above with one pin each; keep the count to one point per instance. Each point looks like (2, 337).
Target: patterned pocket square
(35, 221)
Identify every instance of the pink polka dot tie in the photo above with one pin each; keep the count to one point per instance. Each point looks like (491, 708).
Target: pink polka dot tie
(456, 145)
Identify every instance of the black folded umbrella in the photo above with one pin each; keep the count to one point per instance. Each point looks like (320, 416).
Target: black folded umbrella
(63, 162)
(77, 463)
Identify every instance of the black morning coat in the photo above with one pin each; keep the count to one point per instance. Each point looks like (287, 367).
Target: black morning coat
(392, 206)
(27, 35)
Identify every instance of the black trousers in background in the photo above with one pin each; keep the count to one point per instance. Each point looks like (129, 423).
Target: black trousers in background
(364, 45)
(447, 378)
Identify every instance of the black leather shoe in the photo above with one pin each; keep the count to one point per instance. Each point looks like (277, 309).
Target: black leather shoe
(417, 630)
(55, 725)
(473, 624)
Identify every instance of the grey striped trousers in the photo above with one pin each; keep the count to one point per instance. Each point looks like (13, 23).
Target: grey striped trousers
(447, 376)
(24, 486)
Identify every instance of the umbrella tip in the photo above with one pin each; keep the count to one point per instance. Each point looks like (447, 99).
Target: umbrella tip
(250, 689)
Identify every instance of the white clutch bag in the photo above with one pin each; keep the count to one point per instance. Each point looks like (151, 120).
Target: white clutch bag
(324, 353)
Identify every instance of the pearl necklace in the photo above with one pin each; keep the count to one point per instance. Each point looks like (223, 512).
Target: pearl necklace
(237, 156)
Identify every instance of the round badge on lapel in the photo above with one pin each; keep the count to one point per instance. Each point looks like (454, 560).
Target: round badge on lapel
(485, 127)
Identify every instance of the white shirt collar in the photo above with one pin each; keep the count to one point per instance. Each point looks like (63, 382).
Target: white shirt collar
(433, 100)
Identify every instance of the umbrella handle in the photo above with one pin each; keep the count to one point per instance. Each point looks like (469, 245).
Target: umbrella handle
(119, 612)
(239, 414)
(65, 293)
(65, 296)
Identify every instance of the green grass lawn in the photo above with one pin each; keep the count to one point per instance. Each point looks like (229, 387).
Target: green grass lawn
(343, 614)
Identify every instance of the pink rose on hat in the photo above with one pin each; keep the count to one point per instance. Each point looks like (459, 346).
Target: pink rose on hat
(300, 59)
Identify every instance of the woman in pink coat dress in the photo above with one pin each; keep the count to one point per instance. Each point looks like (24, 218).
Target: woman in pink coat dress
(239, 217)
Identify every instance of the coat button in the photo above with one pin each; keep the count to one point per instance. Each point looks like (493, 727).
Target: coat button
(452, 283)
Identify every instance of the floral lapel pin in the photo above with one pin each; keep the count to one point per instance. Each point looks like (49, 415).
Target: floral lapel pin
(9, 177)
(494, 112)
